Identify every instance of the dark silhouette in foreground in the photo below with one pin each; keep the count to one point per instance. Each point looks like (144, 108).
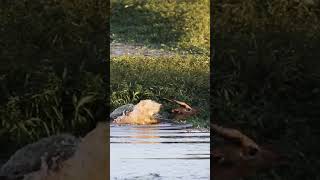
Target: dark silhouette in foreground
(235, 155)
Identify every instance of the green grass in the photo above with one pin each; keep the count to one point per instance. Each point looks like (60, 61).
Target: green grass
(183, 78)
(170, 25)
(51, 75)
(182, 25)
(266, 78)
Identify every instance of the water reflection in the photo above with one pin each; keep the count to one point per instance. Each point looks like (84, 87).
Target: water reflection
(144, 133)
(165, 150)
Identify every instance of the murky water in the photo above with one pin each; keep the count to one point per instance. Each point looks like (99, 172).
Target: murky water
(163, 151)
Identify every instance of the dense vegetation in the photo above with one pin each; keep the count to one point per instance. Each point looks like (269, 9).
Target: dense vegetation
(182, 78)
(52, 69)
(170, 25)
(167, 24)
(266, 80)
(265, 69)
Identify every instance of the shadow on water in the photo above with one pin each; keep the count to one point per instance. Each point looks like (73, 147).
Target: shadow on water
(163, 151)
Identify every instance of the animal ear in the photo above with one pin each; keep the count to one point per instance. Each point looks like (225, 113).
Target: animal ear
(234, 135)
(181, 103)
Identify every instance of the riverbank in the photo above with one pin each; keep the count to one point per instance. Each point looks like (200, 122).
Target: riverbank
(185, 78)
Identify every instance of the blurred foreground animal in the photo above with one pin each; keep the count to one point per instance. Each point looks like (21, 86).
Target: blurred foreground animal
(142, 113)
(236, 156)
(64, 158)
(183, 112)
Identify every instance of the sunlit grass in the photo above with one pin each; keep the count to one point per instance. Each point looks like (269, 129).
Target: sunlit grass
(182, 78)
(182, 25)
